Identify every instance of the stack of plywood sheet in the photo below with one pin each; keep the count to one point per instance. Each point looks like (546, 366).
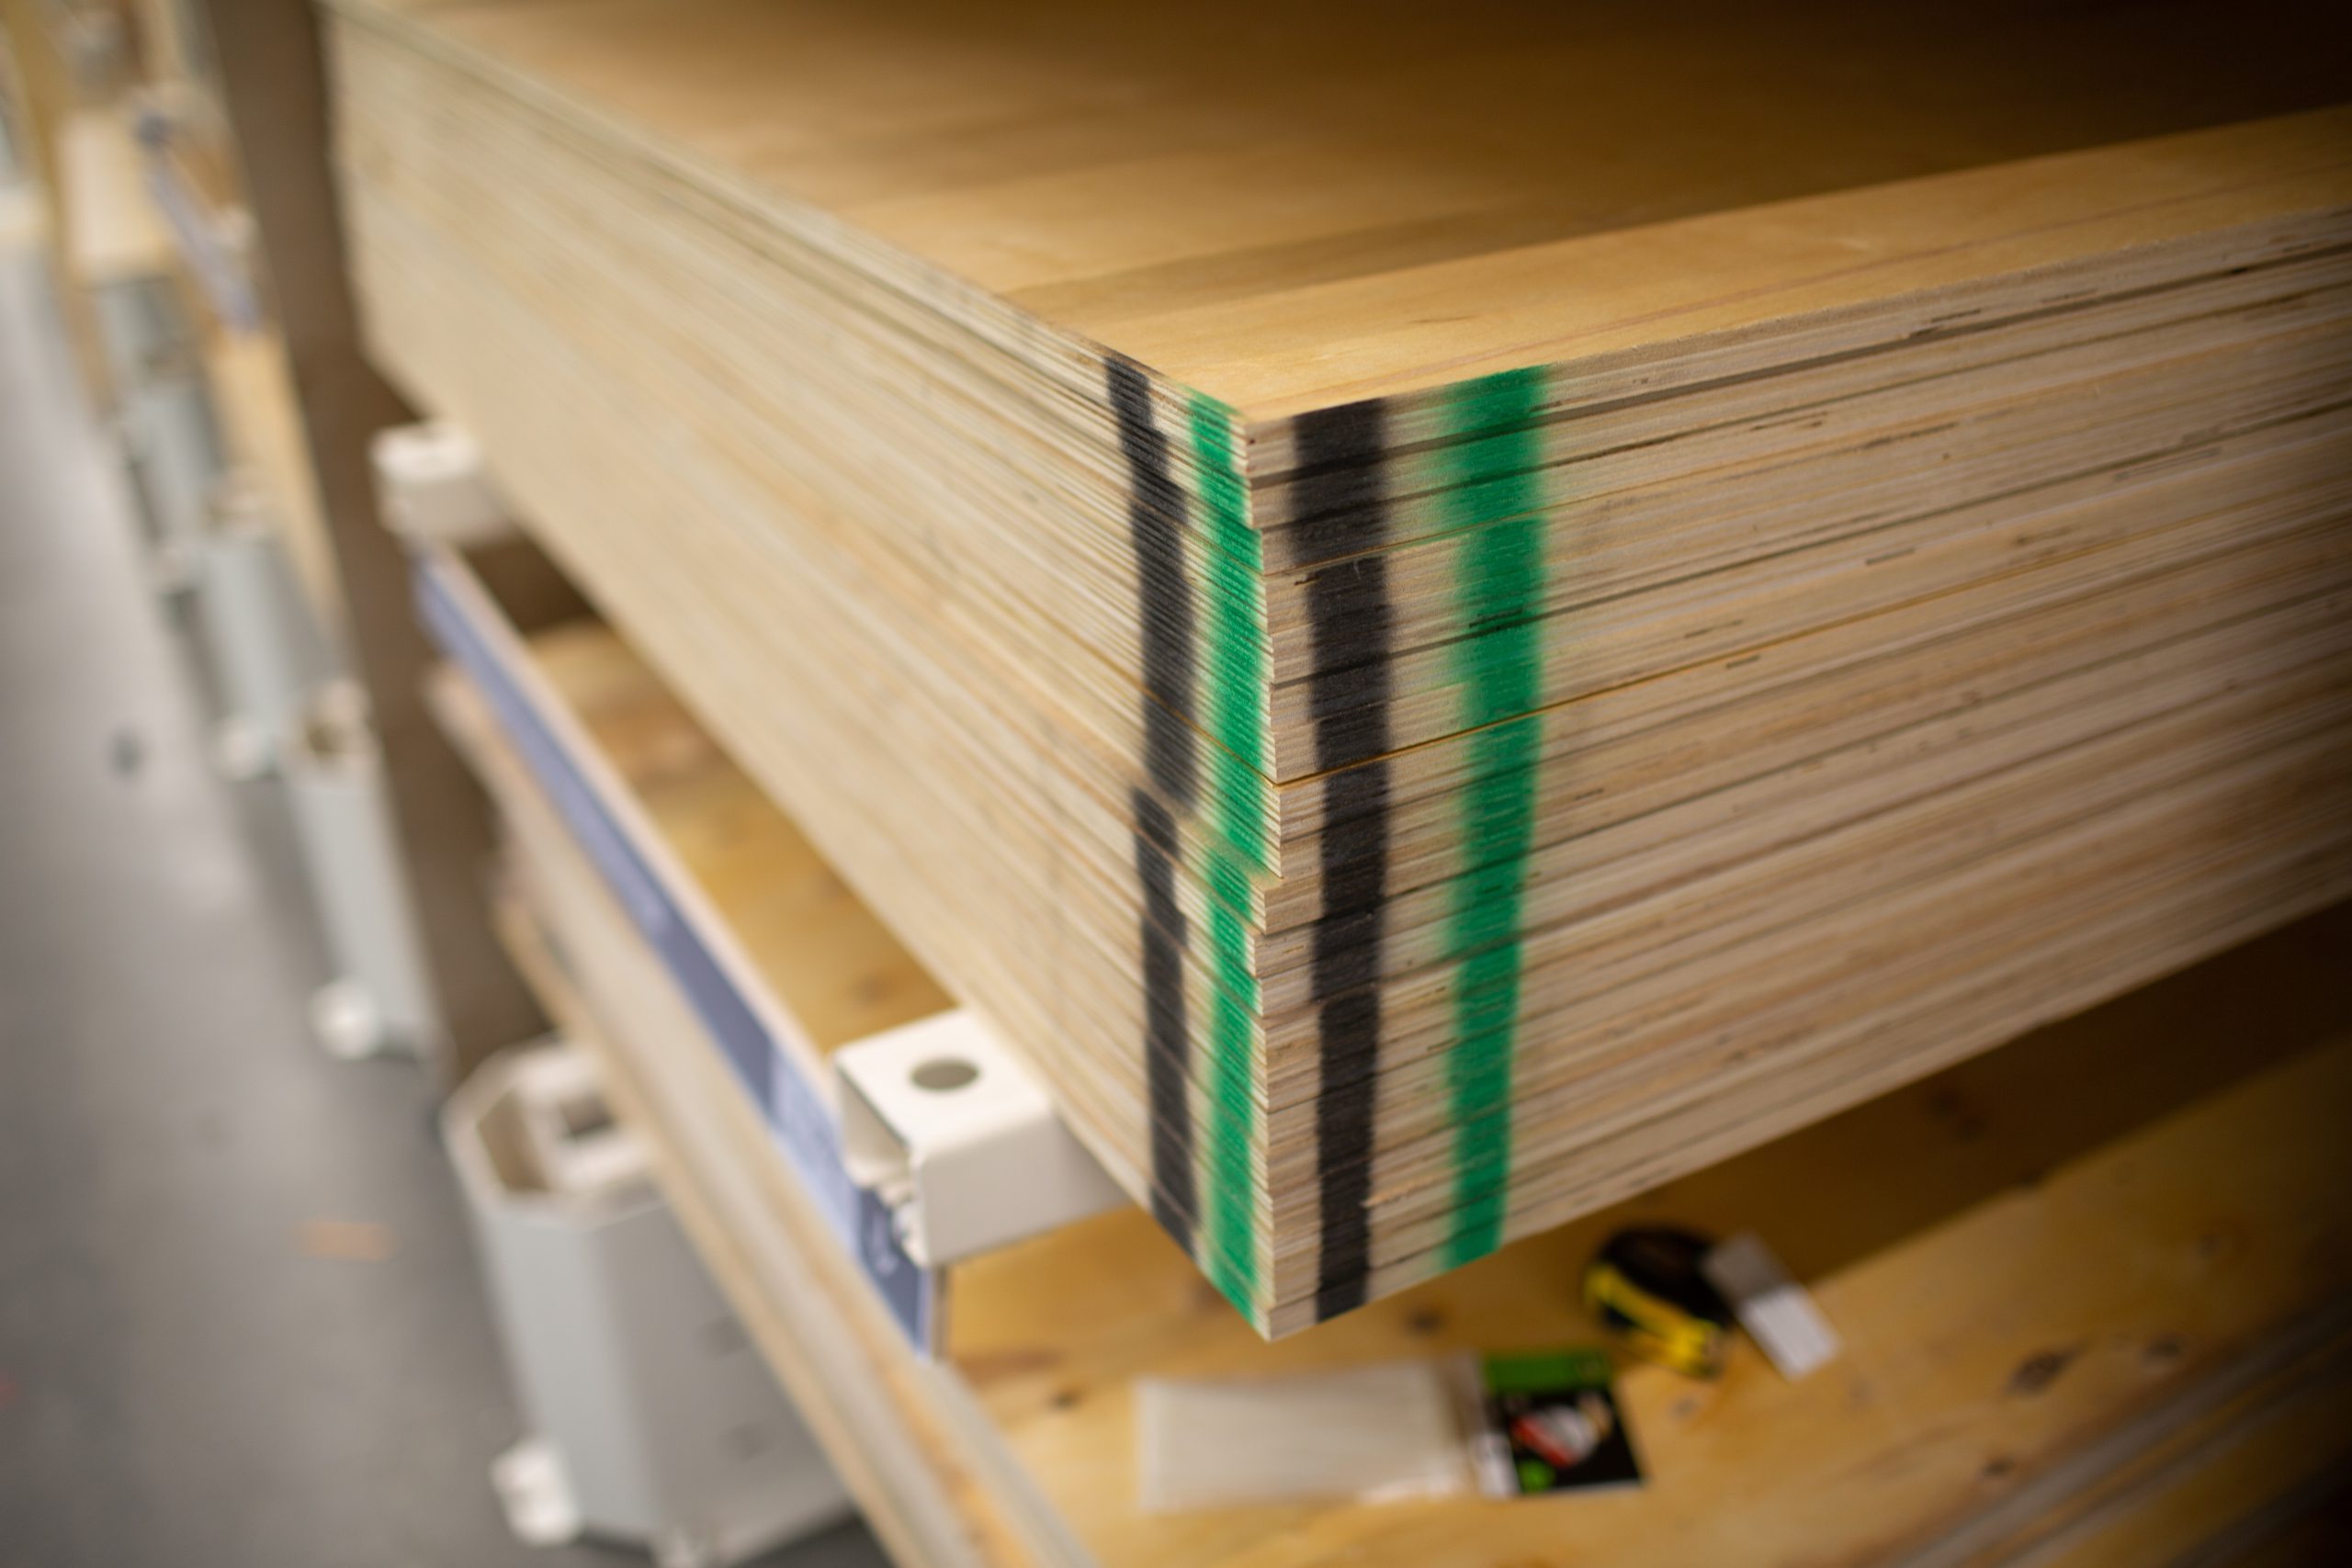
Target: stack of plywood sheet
(1442, 615)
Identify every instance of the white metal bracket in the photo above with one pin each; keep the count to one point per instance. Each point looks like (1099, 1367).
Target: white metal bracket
(435, 486)
(949, 1129)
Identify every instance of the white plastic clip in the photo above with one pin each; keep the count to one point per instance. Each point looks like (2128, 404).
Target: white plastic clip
(957, 1137)
(434, 488)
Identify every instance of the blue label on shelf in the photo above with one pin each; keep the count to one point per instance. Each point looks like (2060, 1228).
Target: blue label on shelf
(798, 1117)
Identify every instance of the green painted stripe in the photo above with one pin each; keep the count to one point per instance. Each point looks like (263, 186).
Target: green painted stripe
(1236, 718)
(1235, 660)
(1499, 590)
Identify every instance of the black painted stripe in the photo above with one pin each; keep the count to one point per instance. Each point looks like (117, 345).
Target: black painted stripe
(1155, 516)
(1156, 513)
(1165, 1045)
(1340, 451)
(1336, 507)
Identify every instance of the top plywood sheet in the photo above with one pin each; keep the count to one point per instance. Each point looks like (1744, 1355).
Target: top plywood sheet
(1288, 211)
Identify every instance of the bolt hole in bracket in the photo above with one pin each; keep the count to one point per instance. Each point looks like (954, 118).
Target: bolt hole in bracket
(943, 1075)
(942, 1121)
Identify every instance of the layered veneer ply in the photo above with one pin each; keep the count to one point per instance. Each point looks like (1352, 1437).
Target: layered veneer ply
(1441, 616)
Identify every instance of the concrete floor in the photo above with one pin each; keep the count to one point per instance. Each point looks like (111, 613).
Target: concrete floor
(197, 1366)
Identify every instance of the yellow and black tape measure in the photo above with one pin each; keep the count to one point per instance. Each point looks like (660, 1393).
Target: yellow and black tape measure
(1646, 1284)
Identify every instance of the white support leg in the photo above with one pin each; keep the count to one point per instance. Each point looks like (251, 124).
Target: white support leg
(383, 999)
(267, 654)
